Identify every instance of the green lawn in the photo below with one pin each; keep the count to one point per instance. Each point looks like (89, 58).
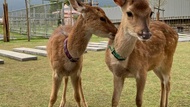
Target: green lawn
(28, 84)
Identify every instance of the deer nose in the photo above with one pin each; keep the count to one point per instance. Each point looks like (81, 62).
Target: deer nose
(146, 35)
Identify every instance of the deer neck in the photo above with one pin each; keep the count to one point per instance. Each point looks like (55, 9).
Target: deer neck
(78, 38)
(124, 42)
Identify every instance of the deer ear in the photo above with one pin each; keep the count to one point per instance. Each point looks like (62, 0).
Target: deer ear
(78, 6)
(120, 2)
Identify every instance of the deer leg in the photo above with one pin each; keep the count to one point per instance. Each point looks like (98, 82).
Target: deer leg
(118, 86)
(164, 77)
(75, 82)
(63, 101)
(140, 80)
(81, 92)
(165, 88)
(57, 78)
(167, 92)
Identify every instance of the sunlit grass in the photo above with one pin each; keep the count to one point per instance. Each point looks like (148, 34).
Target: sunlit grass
(28, 84)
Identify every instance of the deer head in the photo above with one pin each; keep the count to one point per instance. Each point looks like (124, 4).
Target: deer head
(136, 15)
(95, 20)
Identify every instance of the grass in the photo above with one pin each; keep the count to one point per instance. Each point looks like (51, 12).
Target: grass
(23, 37)
(28, 84)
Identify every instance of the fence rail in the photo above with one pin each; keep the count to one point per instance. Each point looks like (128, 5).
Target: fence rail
(42, 19)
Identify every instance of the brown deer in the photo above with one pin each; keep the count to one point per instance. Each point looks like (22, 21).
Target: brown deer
(67, 44)
(140, 45)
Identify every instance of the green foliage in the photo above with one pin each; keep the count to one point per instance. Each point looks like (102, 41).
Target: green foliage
(55, 6)
(66, 2)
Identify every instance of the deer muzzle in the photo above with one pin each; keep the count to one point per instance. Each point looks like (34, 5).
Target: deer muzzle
(146, 35)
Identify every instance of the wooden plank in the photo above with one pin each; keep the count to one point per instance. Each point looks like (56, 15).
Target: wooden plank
(6, 23)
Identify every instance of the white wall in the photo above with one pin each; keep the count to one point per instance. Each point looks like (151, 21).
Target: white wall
(173, 8)
(176, 8)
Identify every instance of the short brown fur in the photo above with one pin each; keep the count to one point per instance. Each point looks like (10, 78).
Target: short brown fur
(146, 45)
(88, 23)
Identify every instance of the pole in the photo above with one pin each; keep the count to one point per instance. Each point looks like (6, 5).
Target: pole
(62, 15)
(158, 13)
(71, 16)
(91, 3)
(6, 23)
(27, 19)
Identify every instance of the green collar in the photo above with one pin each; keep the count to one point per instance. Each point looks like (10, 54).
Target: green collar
(115, 54)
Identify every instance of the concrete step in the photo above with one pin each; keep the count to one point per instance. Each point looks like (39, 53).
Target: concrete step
(31, 51)
(17, 56)
(41, 47)
(1, 61)
(95, 48)
(184, 39)
(98, 43)
(106, 42)
(95, 45)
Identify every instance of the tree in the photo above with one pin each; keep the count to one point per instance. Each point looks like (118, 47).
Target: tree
(157, 4)
(55, 5)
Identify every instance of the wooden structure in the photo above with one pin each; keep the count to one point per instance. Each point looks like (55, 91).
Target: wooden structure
(6, 23)
(28, 18)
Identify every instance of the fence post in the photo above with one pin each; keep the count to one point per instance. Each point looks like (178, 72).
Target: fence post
(45, 19)
(28, 18)
(6, 23)
(62, 14)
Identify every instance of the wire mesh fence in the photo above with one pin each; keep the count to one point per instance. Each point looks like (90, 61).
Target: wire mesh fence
(43, 19)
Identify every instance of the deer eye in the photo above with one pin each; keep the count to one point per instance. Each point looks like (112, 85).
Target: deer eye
(129, 14)
(103, 19)
(151, 14)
